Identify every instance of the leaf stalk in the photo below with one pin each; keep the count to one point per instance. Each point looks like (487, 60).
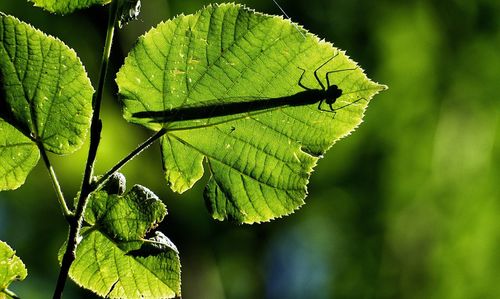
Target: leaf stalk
(141, 147)
(10, 293)
(55, 183)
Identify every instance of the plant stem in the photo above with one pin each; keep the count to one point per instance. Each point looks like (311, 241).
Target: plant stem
(57, 187)
(10, 293)
(75, 222)
(128, 158)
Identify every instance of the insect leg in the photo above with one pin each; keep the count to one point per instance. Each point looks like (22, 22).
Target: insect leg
(326, 110)
(319, 105)
(336, 71)
(316, 73)
(300, 79)
(319, 67)
(349, 104)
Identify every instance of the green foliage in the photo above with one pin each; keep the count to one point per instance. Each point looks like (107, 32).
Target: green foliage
(11, 269)
(67, 6)
(243, 91)
(260, 162)
(18, 155)
(407, 207)
(114, 260)
(45, 95)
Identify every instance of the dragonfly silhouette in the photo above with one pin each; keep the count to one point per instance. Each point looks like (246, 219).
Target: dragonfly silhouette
(308, 96)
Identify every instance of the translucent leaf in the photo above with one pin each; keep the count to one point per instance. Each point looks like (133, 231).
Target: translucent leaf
(126, 217)
(18, 155)
(67, 6)
(238, 89)
(114, 260)
(45, 98)
(11, 269)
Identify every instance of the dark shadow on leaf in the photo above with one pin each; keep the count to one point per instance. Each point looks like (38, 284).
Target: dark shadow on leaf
(210, 109)
(156, 245)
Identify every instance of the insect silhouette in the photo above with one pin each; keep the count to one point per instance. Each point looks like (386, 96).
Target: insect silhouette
(327, 94)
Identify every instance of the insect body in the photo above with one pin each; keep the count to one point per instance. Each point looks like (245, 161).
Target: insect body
(327, 94)
(330, 94)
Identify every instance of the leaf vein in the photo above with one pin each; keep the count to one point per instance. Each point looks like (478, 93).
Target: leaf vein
(229, 166)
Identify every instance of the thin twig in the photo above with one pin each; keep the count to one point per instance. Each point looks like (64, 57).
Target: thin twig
(55, 182)
(102, 180)
(10, 293)
(95, 136)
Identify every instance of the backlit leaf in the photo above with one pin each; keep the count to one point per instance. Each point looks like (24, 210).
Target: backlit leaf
(188, 76)
(18, 155)
(114, 258)
(11, 269)
(67, 6)
(45, 99)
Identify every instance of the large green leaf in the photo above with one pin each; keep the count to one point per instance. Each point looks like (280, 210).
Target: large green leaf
(114, 260)
(67, 6)
(45, 98)
(11, 269)
(188, 76)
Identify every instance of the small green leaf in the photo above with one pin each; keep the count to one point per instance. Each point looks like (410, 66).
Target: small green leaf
(18, 155)
(104, 268)
(11, 269)
(67, 6)
(45, 95)
(195, 75)
(127, 217)
(114, 260)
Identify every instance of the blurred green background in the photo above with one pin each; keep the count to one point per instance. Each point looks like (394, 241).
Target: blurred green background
(406, 207)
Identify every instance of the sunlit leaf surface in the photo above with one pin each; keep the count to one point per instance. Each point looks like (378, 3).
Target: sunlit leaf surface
(11, 269)
(67, 6)
(18, 155)
(188, 75)
(45, 98)
(115, 259)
